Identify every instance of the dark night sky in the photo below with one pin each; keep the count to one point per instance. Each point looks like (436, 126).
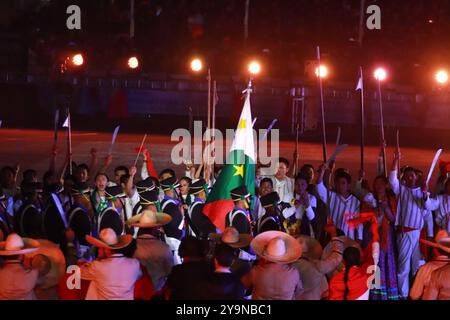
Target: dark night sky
(281, 33)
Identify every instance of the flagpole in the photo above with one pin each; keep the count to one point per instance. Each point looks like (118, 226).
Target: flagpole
(191, 120)
(140, 150)
(208, 122)
(296, 148)
(69, 140)
(213, 138)
(55, 136)
(362, 118)
(383, 141)
(324, 138)
(398, 151)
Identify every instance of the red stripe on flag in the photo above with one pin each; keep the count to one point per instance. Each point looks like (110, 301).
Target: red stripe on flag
(217, 211)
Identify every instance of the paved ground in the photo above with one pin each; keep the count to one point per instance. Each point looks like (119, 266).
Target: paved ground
(32, 148)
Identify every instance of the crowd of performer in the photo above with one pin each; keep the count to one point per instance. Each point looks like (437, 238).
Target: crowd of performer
(320, 234)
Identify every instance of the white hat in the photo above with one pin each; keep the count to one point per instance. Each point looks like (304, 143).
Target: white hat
(109, 240)
(149, 219)
(232, 237)
(15, 245)
(276, 246)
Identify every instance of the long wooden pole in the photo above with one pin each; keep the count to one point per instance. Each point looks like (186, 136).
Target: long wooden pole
(69, 140)
(383, 141)
(362, 118)
(322, 110)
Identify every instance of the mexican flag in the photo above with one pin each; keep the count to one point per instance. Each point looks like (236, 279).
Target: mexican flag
(238, 170)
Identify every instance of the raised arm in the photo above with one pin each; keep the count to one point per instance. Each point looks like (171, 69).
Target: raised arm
(320, 187)
(52, 164)
(129, 187)
(393, 176)
(94, 162)
(144, 169)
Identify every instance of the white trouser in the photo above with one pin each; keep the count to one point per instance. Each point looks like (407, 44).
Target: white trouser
(174, 244)
(409, 258)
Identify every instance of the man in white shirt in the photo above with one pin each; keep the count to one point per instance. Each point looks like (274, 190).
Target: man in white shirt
(283, 184)
(413, 205)
(17, 277)
(112, 275)
(341, 202)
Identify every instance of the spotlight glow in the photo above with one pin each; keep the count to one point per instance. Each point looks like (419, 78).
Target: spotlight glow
(441, 76)
(380, 74)
(196, 65)
(133, 62)
(322, 71)
(77, 59)
(254, 67)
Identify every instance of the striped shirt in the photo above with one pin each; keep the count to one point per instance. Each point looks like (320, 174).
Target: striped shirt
(338, 207)
(443, 211)
(412, 209)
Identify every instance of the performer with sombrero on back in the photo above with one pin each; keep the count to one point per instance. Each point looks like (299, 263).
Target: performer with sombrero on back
(239, 241)
(239, 218)
(440, 259)
(273, 278)
(6, 215)
(18, 276)
(112, 275)
(313, 268)
(28, 220)
(153, 253)
(170, 204)
(439, 286)
(198, 225)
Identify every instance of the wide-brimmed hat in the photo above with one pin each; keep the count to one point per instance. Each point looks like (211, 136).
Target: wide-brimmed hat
(269, 200)
(170, 183)
(108, 239)
(149, 219)
(110, 218)
(276, 246)
(197, 186)
(311, 248)
(441, 241)
(57, 263)
(80, 188)
(232, 237)
(15, 245)
(114, 192)
(240, 193)
(328, 250)
(80, 223)
(148, 193)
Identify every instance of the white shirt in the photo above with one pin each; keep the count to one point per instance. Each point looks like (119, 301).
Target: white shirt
(112, 278)
(284, 188)
(16, 282)
(301, 210)
(412, 210)
(338, 207)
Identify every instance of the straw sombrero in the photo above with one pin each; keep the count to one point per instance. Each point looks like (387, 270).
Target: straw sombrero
(311, 248)
(56, 259)
(232, 237)
(441, 241)
(149, 219)
(110, 240)
(276, 246)
(328, 250)
(15, 245)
